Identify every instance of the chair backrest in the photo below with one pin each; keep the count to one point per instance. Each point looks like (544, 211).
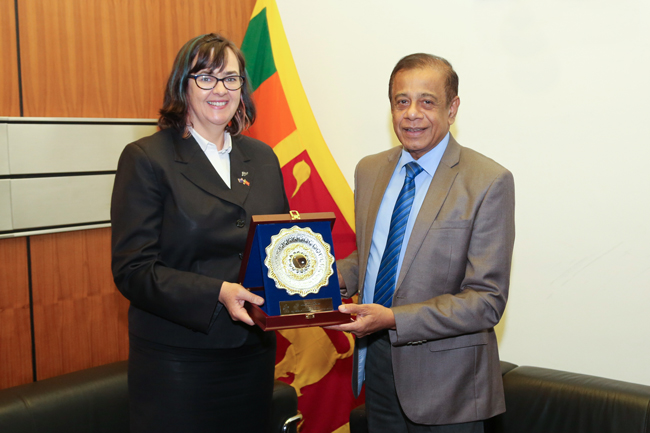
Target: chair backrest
(540, 400)
(94, 400)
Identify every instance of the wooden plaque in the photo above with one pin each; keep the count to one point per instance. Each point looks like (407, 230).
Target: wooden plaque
(289, 261)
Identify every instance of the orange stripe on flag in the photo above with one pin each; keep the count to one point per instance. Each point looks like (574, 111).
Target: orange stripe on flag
(274, 121)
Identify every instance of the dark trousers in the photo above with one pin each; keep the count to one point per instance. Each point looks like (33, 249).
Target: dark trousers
(382, 406)
(180, 390)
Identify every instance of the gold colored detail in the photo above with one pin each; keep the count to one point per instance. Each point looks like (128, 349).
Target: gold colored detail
(305, 306)
(301, 171)
(307, 265)
(295, 215)
(310, 356)
(299, 261)
(289, 149)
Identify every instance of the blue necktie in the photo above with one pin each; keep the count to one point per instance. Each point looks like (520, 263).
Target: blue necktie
(387, 274)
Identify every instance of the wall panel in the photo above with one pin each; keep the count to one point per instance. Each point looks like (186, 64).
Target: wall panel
(5, 205)
(67, 147)
(58, 173)
(15, 334)
(117, 55)
(4, 148)
(9, 93)
(58, 201)
(80, 319)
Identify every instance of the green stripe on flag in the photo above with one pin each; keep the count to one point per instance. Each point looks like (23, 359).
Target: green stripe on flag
(257, 50)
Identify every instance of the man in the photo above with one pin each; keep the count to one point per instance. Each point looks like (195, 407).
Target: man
(435, 232)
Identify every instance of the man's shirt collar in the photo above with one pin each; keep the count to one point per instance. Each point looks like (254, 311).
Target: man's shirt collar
(430, 160)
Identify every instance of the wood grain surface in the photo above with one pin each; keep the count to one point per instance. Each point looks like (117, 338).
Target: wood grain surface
(94, 58)
(15, 332)
(80, 319)
(9, 96)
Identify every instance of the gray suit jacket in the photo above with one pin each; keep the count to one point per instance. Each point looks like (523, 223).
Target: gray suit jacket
(452, 287)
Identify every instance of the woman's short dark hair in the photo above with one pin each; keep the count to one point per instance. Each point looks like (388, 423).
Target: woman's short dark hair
(201, 53)
(423, 60)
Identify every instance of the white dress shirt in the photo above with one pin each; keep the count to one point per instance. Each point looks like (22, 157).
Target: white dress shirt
(220, 159)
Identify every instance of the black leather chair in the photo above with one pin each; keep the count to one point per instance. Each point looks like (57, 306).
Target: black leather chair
(284, 411)
(541, 400)
(358, 420)
(96, 401)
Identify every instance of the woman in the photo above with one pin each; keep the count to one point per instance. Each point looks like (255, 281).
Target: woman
(181, 209)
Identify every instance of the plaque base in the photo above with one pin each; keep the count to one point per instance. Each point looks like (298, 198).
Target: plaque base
(303, 320)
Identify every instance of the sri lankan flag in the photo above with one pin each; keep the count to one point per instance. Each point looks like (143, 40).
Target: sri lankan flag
(316, 362)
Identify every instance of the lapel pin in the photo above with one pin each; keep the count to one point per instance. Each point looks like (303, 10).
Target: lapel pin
(244, 173)
(244, 181)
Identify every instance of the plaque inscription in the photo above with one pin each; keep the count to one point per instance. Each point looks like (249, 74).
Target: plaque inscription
(305, 306)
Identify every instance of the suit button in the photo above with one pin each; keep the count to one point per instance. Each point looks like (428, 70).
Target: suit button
(241, 256)
(241, 223)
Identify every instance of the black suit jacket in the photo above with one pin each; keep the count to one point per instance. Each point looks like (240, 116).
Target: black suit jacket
(178, 232)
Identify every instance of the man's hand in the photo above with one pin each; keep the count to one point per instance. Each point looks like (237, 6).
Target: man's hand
(233, 296)
(370, 318)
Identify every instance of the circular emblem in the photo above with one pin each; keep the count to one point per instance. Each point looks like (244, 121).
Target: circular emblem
(299, 261)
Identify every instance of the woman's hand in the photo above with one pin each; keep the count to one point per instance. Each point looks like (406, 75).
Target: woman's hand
(233, 296)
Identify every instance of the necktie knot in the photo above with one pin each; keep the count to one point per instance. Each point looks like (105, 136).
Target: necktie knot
(412, 170)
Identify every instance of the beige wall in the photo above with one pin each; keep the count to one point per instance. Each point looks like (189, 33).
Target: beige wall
(557, 91)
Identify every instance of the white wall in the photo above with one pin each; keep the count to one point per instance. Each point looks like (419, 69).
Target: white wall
(557, 91)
